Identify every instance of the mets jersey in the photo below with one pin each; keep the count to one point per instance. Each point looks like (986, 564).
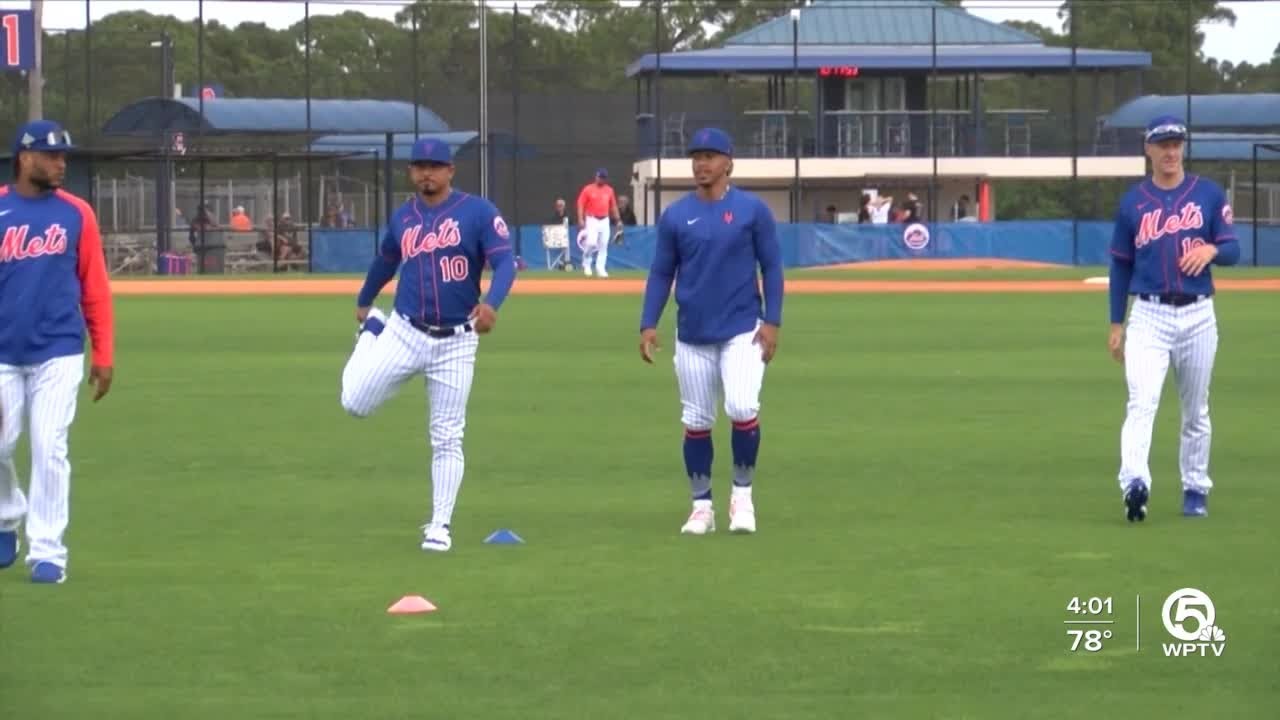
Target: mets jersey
(711, 250)
(1154, 228)
(53, 280)
(441, 253)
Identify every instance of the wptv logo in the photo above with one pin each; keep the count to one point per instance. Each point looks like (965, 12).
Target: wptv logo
(1188, 615)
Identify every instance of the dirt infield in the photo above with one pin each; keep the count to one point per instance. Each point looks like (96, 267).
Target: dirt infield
(944, 264)
(634, 286)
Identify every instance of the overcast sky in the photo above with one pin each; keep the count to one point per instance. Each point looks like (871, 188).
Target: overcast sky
(1252, 39)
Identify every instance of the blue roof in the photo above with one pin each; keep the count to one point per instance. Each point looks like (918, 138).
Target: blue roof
(951, 58)
(503, 144)
(401, 143)
(875, 22)
(270, 115)
(1239, 110)
(1232, 146)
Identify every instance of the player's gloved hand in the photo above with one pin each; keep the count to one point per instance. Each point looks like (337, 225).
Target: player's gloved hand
(648, 344)
(767, 338)
(361, 314)
(483, 317)
(100, 377)
(1195, 261)
(1115, 342)
(617, 237)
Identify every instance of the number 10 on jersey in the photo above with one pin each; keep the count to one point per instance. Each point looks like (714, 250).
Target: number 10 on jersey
(454, 268)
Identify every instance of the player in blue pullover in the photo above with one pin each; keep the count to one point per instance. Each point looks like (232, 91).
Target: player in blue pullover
(1169, 229)
(54, 292)
(710, 242)
(440, 240)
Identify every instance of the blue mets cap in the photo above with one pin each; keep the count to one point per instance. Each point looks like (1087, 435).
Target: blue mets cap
(602, 173)
(1166, 127)
(712, 139)
(42, 136)
(429, 150)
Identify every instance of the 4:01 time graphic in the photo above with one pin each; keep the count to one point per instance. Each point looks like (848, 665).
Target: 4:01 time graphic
(1090, 606)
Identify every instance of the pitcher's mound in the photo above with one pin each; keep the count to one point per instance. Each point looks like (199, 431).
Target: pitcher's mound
(943, 264)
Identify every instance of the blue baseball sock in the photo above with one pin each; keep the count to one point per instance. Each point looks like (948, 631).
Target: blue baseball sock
(698, 454)
(746, 446)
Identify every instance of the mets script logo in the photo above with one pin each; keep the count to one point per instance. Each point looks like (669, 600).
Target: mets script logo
(916, 236)
(18, 246)
(1155, 224)
(414, 243)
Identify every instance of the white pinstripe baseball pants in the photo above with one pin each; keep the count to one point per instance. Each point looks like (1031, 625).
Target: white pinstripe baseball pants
(733, 369)
(597, 243)
(47, 394)
(381, 364)
(1159, 337)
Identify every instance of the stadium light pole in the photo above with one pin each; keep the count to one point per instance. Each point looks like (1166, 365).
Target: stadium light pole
(795, 112)
(35, 77)
(484, 101)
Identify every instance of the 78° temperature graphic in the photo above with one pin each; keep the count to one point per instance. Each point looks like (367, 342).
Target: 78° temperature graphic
(1089, 623)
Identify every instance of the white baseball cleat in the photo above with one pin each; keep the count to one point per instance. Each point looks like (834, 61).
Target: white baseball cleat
(602, 274)
(436, 538)
(742, 512)
(586, 271)
(701, 521)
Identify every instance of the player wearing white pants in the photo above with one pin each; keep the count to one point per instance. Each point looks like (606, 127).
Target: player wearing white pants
(54, 291)
(1169, 229)
(595, 245)
(440, 241)
(384, 360)
(47, 394)
(1162, 338)
(710, 243)
(596, 204)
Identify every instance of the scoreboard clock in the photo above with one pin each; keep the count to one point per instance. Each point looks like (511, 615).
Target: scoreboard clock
(17, 40)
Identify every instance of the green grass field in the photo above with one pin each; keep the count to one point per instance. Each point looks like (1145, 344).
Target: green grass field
(936, 482)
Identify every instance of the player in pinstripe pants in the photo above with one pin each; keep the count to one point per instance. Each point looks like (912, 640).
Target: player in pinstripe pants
(53, 283)
(709, 243)
(1169, 229)
(440, 241)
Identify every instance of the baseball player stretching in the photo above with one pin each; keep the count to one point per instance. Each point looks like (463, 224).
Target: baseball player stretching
(596, 204)
(53, 282)
(1168, 230)
(440, 241)
(710, 242)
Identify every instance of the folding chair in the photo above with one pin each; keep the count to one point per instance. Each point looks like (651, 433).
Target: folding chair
(556, 237)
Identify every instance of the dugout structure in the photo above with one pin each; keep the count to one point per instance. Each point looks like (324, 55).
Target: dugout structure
(196, 246)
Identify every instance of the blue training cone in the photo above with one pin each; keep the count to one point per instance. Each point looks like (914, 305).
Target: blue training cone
(503, 537)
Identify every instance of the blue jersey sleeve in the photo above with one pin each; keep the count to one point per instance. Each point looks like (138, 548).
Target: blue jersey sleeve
(1222, 231)
(769, 255)
(662, 272)
(1122, 234)
(383, 267)
(1122, 255)
(495, 243)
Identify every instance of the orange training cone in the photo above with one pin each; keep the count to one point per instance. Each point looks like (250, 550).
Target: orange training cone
(411, 605)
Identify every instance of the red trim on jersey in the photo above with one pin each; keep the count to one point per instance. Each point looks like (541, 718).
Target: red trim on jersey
(692, 434)
(751, 424)
(95, 284)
